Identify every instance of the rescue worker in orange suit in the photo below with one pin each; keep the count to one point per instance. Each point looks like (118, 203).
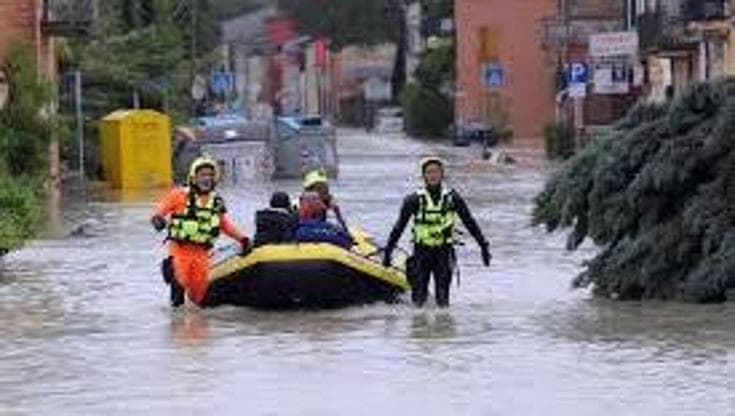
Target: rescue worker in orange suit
(194, 216)
(434, 209)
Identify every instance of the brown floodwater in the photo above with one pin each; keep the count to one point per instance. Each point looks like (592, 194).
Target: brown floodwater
(85, 327)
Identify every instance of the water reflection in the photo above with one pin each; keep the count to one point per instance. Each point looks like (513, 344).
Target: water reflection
(666, 327)
(440, 325)
(189, 328)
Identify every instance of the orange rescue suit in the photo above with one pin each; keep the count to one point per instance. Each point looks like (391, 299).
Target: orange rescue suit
(191, 261)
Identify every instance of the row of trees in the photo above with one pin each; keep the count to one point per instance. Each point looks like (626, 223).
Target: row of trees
(146, 53)
(143, 50)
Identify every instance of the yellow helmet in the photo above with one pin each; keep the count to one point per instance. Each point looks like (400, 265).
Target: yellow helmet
(314, 177)
(202, 162)
(429, 160)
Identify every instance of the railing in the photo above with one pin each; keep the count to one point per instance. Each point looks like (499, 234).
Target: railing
(68, 17)
(704, 10)
(659, 31)
(556, 33)
(595, 9)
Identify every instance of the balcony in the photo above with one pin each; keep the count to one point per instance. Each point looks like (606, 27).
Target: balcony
(595, 9)
(557, 34)
(659, 31)
(68, 18)
(704, 10)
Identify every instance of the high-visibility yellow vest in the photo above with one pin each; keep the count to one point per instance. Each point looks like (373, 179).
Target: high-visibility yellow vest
(434, 222)
(197, 224)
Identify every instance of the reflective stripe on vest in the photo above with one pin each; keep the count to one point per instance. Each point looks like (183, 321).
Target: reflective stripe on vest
(197, 224)
(434, 223)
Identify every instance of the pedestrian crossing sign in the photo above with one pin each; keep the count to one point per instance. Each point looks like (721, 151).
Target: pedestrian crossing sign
(493, 75)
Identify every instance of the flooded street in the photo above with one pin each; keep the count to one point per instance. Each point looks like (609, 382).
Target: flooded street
(85, 327)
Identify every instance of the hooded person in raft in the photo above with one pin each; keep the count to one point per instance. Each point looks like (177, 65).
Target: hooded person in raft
(194, 216)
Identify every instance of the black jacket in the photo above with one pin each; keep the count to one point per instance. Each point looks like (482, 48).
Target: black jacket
(410, 208)
(273, 226)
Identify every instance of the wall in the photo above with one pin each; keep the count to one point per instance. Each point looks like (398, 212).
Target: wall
(17, 23)
(528, 92)
(20, 20)
(595, 9)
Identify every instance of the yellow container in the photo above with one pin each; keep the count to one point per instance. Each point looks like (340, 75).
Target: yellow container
(136, 149)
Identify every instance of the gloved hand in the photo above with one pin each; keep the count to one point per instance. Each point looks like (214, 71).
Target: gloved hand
(486, 256)
(158, 222)
(246, 246)
(388, 257)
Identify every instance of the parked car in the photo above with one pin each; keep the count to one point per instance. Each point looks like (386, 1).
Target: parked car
(465, 134)
(389, 120)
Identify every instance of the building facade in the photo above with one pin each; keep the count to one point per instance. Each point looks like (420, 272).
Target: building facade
(684, 41)
(37, 23)
(22, 21)
(505, 75)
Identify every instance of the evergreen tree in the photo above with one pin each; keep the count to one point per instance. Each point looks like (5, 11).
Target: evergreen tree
(657, 195)
(428, 111)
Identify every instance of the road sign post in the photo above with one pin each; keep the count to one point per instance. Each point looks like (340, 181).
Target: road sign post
(577, 78)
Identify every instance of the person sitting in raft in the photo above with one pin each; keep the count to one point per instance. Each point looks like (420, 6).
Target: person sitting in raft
(313, 226)
(277, 223)
(316, 180)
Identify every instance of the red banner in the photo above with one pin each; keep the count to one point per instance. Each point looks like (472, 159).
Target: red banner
(280, 30)
(320, 52)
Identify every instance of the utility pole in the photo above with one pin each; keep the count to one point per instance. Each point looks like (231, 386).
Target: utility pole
(193, 13)
(80, 123)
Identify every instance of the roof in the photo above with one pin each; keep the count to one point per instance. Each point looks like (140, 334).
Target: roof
(248, 27)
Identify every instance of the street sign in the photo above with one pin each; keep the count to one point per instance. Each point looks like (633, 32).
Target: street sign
(578, 73)
(578, 90)
(222, 82)
(611, 79)
(613, 44)
(493, 75)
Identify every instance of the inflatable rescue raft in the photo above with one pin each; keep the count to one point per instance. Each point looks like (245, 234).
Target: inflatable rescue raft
(305, 275)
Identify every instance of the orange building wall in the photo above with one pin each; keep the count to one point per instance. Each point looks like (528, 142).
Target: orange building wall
(528, 92)
(17, 22)
(20, 21)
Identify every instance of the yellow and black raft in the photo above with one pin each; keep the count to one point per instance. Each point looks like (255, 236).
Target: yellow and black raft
(306, 275)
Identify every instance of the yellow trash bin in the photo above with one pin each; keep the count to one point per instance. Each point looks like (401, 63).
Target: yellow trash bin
(136, 149)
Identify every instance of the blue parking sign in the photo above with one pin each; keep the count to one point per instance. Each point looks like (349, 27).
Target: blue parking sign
(578, 73)
(222, 82)
(493, 75)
